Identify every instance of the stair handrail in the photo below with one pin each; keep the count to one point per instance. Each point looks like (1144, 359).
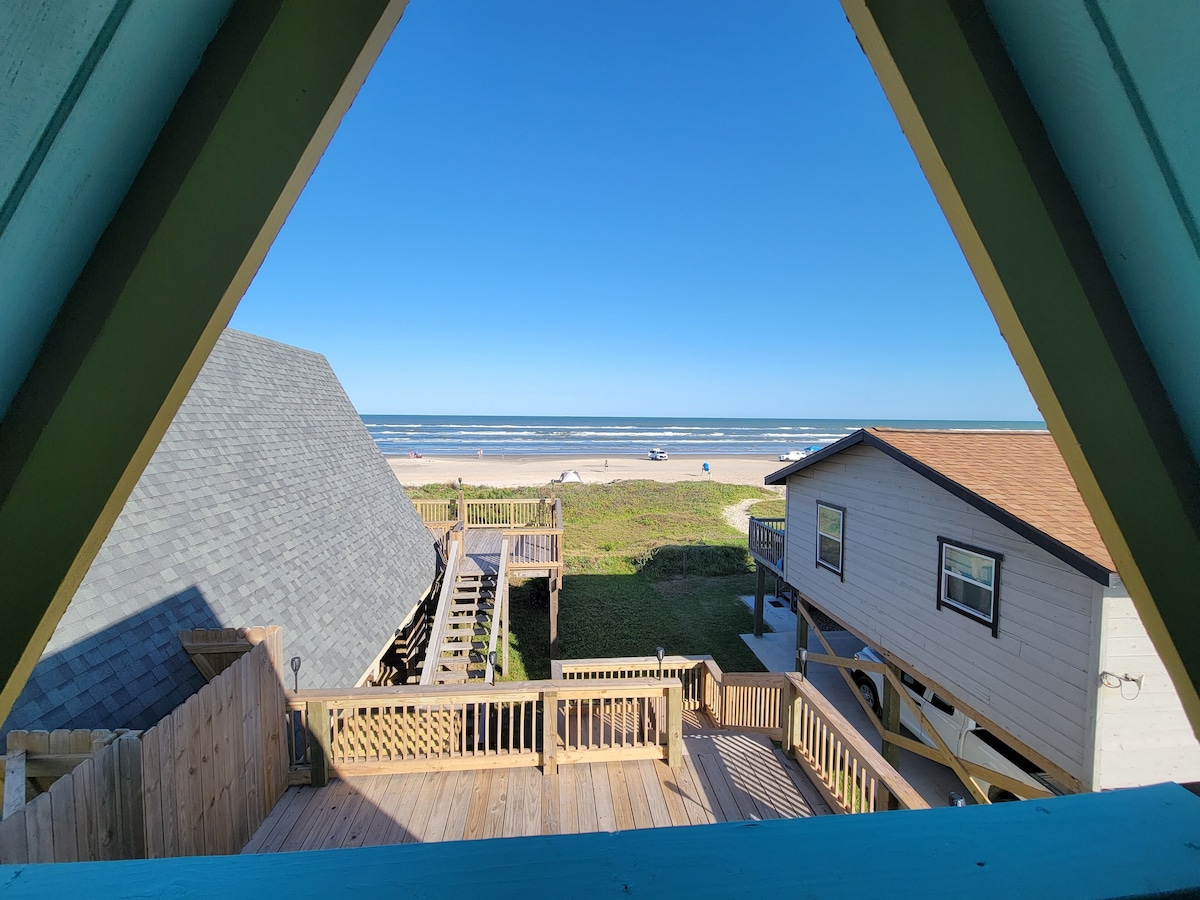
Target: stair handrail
(497, 611)
(437, 634)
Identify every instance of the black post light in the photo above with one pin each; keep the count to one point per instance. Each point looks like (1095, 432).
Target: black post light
(658, 651)
(296, 672)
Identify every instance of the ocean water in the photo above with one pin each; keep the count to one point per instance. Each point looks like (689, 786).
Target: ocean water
(613, 437)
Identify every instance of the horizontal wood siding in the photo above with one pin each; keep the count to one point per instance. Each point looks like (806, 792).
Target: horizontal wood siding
(1142, 735)
(1031, 680)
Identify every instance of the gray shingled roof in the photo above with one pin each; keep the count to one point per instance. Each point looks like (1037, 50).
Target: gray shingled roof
(266, 503)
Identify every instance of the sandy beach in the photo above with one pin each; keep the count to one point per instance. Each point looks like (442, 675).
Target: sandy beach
(517, 471)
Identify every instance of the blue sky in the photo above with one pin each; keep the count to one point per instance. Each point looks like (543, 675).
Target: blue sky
(546, 208)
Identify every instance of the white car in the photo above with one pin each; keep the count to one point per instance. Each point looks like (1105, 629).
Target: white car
(966, 739)
(657, 454)
(792, 456)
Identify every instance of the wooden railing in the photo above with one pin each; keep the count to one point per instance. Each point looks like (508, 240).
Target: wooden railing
(695, 674)
(767, 540)
(546, 723)
(499, 615)
(437, 633)
(437, 512)
(539, 513)
(534, 548)
(849, 772)
(847, 769)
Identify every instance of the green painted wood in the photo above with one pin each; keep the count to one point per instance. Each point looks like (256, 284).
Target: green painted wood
(1058, 306)
(162, 282)
(1136, 843)
(1121, 110)
(79, 117)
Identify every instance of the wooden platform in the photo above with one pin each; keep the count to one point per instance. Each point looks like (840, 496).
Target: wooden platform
(725, 778)
(482, 553)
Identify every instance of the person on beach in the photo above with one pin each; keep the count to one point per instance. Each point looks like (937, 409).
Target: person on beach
(606, 465)
(481, 454)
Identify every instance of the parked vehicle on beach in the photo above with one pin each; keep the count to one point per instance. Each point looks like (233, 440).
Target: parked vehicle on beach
(966, 738)
(657, 454)
(792, 456)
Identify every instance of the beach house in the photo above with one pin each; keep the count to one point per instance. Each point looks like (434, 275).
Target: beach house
(971, 563)
(265, 502)
(155, 152)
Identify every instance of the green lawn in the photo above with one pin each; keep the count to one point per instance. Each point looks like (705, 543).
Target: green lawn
(647, 565)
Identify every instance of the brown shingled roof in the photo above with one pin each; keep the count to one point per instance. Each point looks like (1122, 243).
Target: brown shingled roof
(1021, 472)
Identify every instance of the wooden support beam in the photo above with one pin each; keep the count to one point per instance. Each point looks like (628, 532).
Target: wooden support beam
(760, 589)
(891, 721)
(554, 576)
(14, 782)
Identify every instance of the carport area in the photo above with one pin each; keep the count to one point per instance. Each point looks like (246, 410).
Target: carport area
(777, 651)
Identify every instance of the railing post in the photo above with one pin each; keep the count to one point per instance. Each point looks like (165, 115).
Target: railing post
(789, 715)
(760, 590)
(549, 732)
(675, 726)
(319, 740)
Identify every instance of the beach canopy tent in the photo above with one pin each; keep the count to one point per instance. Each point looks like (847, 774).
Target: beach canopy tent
(151, 152)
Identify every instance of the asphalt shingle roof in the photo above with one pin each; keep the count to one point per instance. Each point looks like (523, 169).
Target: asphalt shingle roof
(266, 503)
(1019, 471)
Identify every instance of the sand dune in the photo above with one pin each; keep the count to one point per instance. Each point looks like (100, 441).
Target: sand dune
(516, 471)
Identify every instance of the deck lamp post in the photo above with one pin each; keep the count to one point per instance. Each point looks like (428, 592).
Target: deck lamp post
(658, 651)
(295, 663)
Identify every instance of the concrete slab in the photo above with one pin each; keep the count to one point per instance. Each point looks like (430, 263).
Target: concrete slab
(777, 651)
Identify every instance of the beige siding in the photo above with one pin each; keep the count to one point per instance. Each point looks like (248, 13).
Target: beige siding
(1142, 736)
(1032, 680)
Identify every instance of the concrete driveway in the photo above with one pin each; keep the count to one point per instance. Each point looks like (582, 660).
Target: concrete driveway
(777, 651)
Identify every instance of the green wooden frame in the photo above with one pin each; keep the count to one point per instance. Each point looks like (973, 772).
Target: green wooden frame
(986, 154)
(159, 288)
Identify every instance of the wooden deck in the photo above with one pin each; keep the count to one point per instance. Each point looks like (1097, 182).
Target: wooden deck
(725, 778)
(482, 552)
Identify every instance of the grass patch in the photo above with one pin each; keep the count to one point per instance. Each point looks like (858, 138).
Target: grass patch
(769, 509)
(647, 564)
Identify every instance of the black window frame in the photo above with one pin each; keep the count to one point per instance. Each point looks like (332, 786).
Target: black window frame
(840, 571)
(944, 603)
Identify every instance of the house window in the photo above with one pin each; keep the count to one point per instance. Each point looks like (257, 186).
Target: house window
(968, 581)
(830, 520)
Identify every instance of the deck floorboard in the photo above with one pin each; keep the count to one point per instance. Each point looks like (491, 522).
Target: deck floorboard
(725, 777)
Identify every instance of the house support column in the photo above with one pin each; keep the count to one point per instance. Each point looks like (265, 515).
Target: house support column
(891, 723)
(760, 589)
(801, 644)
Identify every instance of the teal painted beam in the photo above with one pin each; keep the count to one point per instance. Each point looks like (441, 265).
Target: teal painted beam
(160, 286)
(1121, 110)
(1136, 843)
(1031, 247)
(79, 118)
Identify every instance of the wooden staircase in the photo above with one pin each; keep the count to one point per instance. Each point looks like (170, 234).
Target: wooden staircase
(462, 652)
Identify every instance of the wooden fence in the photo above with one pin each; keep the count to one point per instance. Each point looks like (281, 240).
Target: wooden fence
(87, 814)
(200, 782)
(443, 727)
(215, 767)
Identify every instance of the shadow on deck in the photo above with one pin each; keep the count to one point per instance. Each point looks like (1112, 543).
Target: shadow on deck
(724, 778)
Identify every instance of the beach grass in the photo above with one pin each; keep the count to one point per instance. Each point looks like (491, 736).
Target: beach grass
(648, 564)
(775, 508)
